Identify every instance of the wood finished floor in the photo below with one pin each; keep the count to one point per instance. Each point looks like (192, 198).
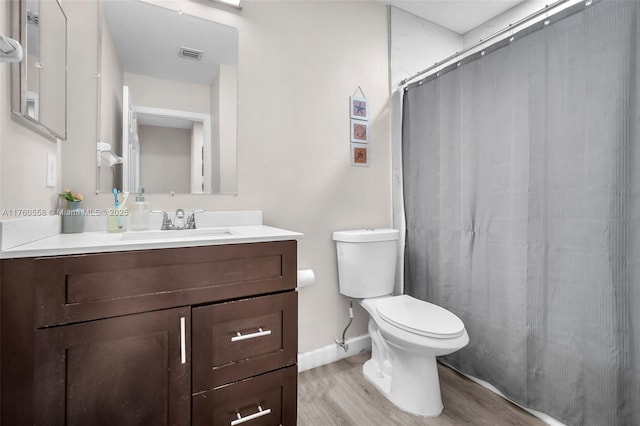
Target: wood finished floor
(338, 394)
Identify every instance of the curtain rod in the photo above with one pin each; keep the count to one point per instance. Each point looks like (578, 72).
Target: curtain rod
(483, 41)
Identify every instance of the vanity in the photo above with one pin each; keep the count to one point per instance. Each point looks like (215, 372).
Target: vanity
(190, 331)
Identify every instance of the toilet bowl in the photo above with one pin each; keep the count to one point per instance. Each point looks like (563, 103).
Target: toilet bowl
(404, 346)
(406, 333)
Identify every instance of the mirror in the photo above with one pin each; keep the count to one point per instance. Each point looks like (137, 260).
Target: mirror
(39, 82)
(168, 101)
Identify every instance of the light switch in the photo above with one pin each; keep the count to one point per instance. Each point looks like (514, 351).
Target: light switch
(51, 170)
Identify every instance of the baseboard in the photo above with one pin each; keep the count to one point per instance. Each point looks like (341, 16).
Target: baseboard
(332, 353)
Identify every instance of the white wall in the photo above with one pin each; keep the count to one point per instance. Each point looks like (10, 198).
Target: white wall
(168, 94)
(165, 159)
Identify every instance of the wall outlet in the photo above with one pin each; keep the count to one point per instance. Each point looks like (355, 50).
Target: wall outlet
(51, 170)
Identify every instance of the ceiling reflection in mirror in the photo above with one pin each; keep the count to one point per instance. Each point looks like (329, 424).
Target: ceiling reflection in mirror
(167, 101)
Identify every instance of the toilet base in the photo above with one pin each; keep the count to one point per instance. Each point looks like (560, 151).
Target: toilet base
(417, 394)
(376, 377)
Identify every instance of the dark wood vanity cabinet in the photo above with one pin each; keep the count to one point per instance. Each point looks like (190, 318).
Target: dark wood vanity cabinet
(199, 335)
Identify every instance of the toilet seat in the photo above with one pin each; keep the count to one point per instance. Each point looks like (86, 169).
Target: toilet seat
(419, 317)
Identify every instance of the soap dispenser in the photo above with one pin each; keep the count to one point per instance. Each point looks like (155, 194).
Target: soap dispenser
(139, 213)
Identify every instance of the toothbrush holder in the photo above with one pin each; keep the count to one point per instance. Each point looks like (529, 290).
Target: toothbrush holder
(117, 219)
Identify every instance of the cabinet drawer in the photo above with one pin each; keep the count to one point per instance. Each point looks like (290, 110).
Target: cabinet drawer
(266, 400)
(243, 338)
(79, 288)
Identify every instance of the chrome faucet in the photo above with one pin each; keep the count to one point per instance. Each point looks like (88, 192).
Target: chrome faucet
(179, 222)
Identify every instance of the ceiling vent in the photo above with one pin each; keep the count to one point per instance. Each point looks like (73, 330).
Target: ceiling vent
(187, 52)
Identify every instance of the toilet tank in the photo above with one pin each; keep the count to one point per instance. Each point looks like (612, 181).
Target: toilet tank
(367, 261)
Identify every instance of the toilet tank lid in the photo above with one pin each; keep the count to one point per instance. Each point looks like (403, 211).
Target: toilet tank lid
(366, 235)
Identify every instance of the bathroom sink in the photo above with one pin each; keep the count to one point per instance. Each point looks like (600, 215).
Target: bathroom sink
(176, 234)
(23, 238)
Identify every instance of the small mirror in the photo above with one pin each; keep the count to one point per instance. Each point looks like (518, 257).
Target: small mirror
(168, 101)
(39, 82)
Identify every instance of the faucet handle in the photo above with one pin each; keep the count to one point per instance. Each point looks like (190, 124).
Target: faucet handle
(191, 220)
(166, 220)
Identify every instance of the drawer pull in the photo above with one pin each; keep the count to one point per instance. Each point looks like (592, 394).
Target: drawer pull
(183, 340)
(259, 333)
(260, 413)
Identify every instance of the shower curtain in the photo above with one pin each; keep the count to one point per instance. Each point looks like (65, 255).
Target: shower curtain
(521, 175)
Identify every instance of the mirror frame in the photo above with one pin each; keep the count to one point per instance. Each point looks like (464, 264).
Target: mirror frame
(19, 73)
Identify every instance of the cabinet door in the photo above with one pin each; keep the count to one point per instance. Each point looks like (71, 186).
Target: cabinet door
(130, 370)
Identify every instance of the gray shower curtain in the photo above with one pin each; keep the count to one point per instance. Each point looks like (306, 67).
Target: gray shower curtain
(521, 175)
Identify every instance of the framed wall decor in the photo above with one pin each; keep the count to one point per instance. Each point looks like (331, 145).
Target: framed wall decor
(359, 154)
(359, 131)
(359, 124)
(359, 108)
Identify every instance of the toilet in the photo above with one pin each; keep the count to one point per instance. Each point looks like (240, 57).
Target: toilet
(407, 334)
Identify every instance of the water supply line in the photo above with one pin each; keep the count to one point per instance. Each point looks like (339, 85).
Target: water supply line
(343, 343)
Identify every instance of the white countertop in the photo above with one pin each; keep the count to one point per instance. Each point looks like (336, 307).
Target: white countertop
(101, 241)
